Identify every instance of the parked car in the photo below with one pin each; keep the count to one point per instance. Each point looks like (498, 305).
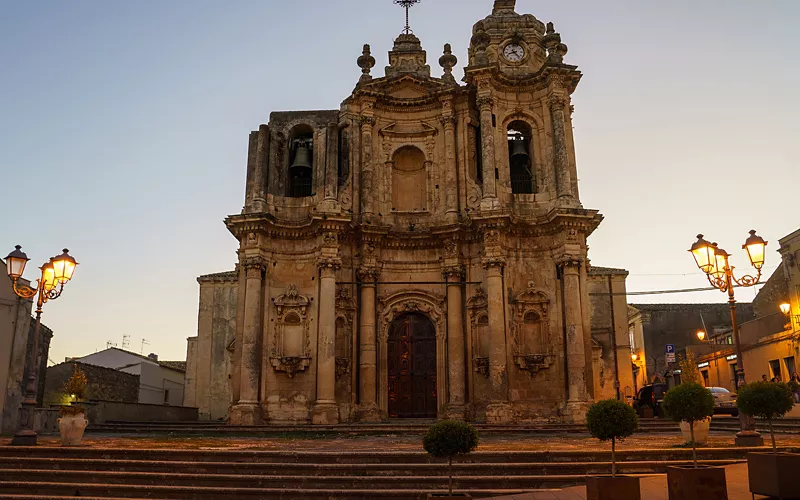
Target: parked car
(650, 396)
(724, 401)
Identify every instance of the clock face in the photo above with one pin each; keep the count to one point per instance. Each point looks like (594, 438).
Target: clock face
(514, 52)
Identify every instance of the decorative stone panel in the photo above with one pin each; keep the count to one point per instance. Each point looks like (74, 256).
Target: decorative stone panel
(291, 312)
(530, 332)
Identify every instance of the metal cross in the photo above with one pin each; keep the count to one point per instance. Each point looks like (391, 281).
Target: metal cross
(407, 4)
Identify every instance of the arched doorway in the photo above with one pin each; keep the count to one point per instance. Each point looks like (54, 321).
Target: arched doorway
(412, 367)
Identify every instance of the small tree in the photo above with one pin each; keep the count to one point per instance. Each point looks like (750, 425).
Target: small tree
(76, 384)
(688, 366)
(689, 402)
(765, 400)
(611, 419)
(449, 438)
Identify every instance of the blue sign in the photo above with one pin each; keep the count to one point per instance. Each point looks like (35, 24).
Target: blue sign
(670, 348)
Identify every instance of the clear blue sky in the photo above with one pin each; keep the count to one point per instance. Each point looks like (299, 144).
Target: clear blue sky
(124, 127)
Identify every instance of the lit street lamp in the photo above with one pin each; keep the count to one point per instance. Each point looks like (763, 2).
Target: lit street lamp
(55, 274)
(713, 261)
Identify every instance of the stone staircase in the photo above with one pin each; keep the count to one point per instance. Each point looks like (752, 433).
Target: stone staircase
(405, 428)
(59, 472)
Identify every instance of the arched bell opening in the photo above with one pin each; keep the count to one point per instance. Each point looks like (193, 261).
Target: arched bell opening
(301, 162)
(520, 158)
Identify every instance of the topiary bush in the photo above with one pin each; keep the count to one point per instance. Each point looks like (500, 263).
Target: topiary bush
(611, 419)
(449, 438)
(689, 402)
(765, 400)
(76, 384)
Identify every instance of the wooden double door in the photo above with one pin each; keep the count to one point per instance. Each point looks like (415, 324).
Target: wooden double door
(412, 367)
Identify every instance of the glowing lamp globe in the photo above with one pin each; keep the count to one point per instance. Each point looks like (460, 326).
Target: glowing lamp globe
(755, 249)
(49, 280)
(64, 266)
(701, 335)
(786, 308)
(15, 263)
(720, 262)
(703, 253)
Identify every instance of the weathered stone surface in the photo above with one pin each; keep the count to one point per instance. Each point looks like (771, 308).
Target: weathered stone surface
(425, 218)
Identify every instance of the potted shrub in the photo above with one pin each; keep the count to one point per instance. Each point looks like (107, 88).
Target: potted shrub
(73, 420)
(611, 420)
(691, 374)
(690, 402)
(771, 474)
(447, 439)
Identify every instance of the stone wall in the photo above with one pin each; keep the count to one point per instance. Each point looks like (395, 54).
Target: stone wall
(15, 319)
(103, 383)
(774, 292)
(104, 411)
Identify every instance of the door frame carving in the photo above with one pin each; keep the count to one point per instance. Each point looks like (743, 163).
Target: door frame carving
(397, 304)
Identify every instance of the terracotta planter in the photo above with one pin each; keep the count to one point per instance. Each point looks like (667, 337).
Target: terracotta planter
(774, 475)
(701, 428)
(616, 488)
(703, 483)
(71, 428)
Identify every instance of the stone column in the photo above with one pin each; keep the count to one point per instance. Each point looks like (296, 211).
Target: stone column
(332, 162)
(260, 172)
(368, 186)
(367, 369)
(325, 410)
(487, 146)
(455, 343)
(451, 178)
(560, 156)
(575, 348)
(498, 411)
(247, 411)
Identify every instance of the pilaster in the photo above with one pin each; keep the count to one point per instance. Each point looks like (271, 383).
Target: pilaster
(368, 375)
(325, 411)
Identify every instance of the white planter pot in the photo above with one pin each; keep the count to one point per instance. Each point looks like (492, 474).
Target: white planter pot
(71, 428)
(701, 428)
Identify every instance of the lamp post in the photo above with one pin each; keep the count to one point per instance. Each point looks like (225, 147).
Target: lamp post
(713, 261)
(55, 273)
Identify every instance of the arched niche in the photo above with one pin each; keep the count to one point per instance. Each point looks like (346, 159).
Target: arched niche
(530, 331)
(291, 342)
(522, 171)
(409, 180)
(477, 309)
(300, 174)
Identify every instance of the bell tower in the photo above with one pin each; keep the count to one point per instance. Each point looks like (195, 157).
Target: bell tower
(516, 64)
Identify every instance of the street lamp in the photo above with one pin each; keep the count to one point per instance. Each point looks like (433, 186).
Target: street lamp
(55, 273)
(714, 262)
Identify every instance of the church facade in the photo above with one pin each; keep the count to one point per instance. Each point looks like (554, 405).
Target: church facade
(419, 252)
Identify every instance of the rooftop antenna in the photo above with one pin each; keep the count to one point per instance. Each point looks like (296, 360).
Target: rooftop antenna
(144, 342)
(407, 4)
(126, 341)
(110, 344)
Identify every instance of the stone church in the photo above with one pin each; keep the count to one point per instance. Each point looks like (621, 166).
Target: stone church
(419, 252)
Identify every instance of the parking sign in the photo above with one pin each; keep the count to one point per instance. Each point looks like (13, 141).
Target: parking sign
(670, 349)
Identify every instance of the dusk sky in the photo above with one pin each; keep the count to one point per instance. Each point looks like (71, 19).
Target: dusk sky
(124, 130)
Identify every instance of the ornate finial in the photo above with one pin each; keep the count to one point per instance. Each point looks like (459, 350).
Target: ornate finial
(366, 62)
(503, 7)
(555, 49)
(447, 61)
(407, 4)
(480, 41)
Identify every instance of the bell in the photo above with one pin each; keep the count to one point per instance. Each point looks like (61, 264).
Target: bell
(302, 157)
(519, 149)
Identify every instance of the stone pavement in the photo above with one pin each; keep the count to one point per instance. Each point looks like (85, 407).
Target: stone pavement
(653, 488)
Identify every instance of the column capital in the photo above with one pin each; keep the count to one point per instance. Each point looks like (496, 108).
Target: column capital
(454, 271)
(485, 102)
(570, 261)
(449, 122)
(556, 102)
(491, 262)
(254, 262)
(333, 263)
(368, 274)
(366, 121)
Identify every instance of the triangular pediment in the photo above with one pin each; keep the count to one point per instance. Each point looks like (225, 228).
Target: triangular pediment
(405, 87)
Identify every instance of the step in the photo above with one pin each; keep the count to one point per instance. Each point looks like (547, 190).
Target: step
(70, 490)
(343, 470)
(361, 457)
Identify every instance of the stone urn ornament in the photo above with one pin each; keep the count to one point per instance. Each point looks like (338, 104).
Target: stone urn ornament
(71, 425)
(73, 418)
